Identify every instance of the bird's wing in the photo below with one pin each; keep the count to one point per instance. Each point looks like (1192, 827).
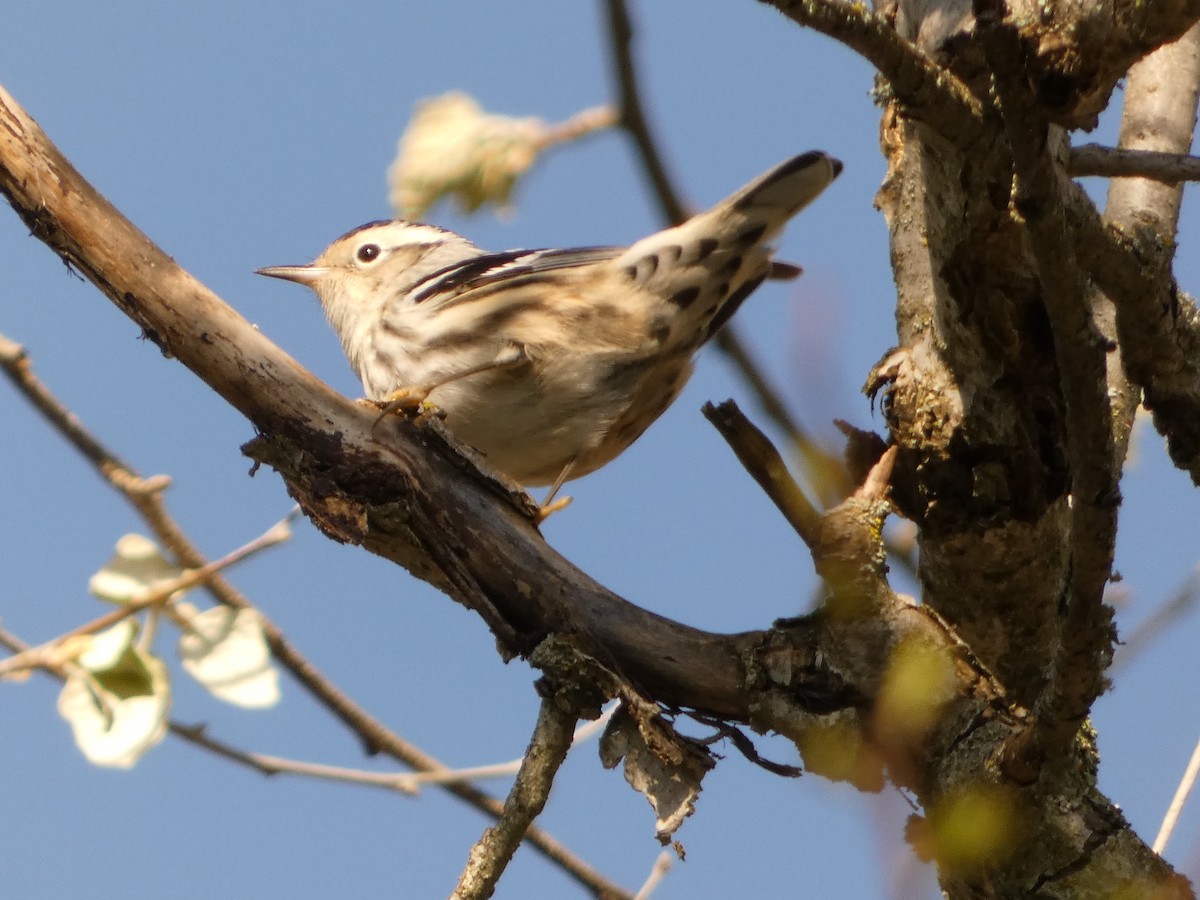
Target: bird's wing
(457, 282)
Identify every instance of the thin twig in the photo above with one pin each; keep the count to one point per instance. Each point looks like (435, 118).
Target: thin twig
(596, 118)
(414, 780)
(266, 764)
(145, 496)
(633, 118)
(278, 765)
(662, 865)
(1120, 162)
(827, 473)
(1181, 794)
(492, 853)
(39, 656)
(1182, 601)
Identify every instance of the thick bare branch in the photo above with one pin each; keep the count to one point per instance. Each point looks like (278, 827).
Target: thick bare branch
(1085, 649)
(1129, 257)
(1159, 118)
(976, 401)
(403, 490)
(1074, 65)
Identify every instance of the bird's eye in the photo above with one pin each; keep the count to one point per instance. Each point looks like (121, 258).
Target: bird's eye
(368, 253)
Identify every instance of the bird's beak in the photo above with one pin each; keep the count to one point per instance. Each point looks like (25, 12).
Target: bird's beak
(309, 275)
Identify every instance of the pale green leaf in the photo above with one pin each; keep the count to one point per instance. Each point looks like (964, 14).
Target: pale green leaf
(116, 699)
(136, 568)
(226, 651)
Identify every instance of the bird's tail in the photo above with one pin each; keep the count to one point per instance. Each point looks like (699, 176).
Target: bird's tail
(775, 197)
(704, 268)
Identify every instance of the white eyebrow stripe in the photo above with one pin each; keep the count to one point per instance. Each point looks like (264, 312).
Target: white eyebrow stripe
(399, 233)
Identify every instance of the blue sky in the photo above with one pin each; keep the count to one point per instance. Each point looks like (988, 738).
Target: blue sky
(238, 137)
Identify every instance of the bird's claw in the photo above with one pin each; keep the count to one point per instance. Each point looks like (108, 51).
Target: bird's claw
(402, 400)
(545, 511)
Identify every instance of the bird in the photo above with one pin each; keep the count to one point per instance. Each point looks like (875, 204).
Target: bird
(550, 362)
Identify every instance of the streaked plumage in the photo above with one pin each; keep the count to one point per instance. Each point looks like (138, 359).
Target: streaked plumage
(550, 362)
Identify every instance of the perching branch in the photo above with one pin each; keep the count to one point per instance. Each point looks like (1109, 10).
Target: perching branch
(404, 492)
(996, 396)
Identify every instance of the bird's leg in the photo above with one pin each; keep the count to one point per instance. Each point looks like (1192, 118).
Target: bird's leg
(410, 397)
(549, 506)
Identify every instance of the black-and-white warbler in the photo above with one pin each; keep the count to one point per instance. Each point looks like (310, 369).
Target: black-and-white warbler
(550, 362)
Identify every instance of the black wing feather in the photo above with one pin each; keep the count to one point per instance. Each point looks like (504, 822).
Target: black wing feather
(481, 271)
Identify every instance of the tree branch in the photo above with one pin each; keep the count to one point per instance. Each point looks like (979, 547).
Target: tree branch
(1124, 162)
(767, 467)
(1074, 67)
(929, 93)
(1130, 256)
(552, 736)
(403, 490)
(978, 407)
(1158, 122)
(1087, 635)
